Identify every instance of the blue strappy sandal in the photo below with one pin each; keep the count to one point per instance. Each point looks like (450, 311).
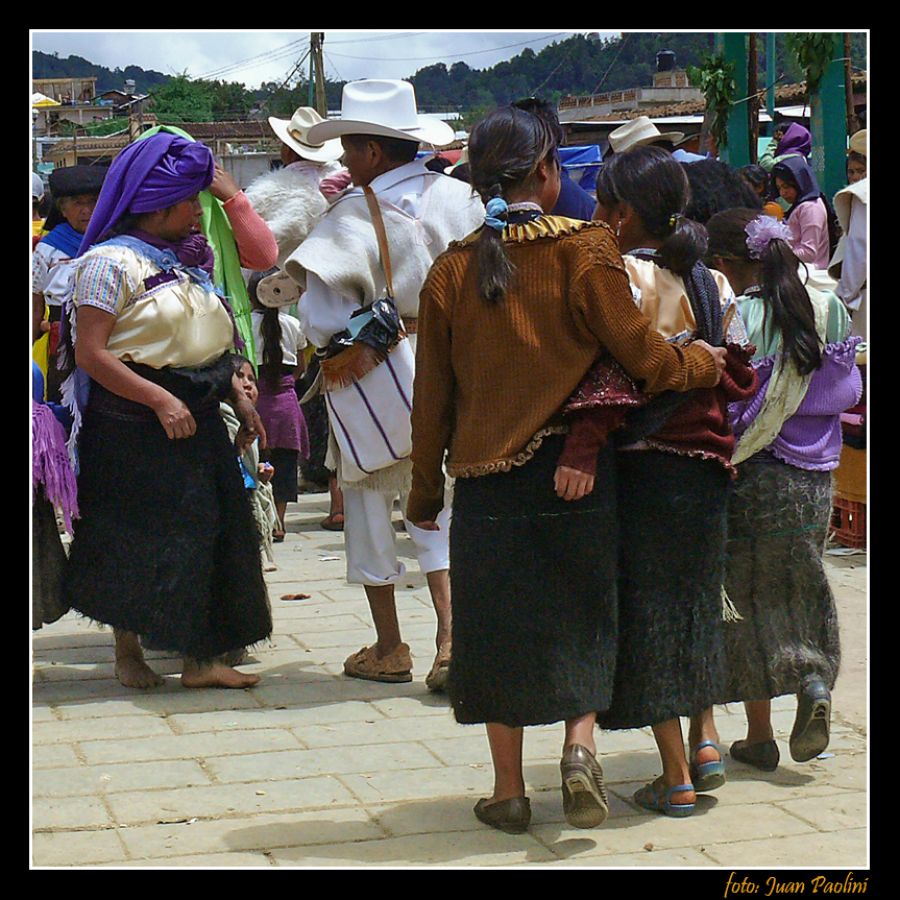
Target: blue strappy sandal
(657, 797)
(709, 775)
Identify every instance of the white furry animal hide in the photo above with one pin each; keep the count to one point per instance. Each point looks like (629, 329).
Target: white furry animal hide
(290, 202)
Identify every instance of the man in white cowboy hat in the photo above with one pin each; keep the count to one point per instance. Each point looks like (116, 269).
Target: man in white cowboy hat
(849, 263)
(639, 132)
(339, 267)
(290, 199)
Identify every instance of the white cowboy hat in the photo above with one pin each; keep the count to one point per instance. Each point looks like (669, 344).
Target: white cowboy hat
(386, 108)
(638, 132)
(858, 142)
(295, 133)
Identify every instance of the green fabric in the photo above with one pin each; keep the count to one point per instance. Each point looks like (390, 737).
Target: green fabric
(787, 388)
(227, 274)
(753, 311)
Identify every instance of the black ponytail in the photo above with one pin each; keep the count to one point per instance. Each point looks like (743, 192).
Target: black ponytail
(785, 298)
(505, 149)
(788, 303)
(495, 269)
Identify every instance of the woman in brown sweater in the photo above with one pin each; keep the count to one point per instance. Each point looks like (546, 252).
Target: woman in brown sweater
(510, 319)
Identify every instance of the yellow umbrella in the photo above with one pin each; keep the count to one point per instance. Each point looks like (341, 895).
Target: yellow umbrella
(41, 100)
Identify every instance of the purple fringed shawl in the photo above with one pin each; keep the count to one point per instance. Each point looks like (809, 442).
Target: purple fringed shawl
(50, 466)
(811, 438)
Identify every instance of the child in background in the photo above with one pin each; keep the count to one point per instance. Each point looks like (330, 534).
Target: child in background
(279, 344)
(257, 475)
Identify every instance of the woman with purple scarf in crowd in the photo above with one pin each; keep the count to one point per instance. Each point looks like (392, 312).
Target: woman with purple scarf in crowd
(786, 639)
(787, 141)
(811, 218)
(166, 549)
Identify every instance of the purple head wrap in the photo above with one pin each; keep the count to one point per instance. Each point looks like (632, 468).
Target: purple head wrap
(796, 139)
(150, 174)
(797, 172)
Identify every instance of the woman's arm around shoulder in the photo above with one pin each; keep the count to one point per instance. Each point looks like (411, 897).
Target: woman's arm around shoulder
(600, 296)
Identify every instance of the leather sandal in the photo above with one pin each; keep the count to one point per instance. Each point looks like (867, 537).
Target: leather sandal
(585, 802)
(436, 679)
(810, 734)
(763, 755)
(333, 522)
(512, 816)
(366, 664)
(707, 776)
(657, 797)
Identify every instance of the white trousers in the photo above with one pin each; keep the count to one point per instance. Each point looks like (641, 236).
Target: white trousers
(371, 542)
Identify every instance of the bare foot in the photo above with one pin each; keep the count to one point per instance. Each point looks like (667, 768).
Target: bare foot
(216, 675)
(133, 672)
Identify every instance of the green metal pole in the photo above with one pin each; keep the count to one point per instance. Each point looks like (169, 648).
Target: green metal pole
(737, 152)
(770, 75)
(828, 124)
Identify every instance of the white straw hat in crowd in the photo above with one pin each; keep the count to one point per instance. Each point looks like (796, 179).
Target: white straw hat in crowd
(295, 133)
(859, 142)
(386, 108)
(638, 132)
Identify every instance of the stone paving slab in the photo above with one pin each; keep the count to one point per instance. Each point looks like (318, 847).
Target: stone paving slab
(312, 769)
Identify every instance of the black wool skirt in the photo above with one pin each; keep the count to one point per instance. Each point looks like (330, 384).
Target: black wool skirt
(672, 543)
(166, 546)
(778, 518)
(534, 595)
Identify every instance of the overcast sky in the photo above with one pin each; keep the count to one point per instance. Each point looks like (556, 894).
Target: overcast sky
(252, 57)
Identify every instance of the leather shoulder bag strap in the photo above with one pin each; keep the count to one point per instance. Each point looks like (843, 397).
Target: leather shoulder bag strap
(378, 222)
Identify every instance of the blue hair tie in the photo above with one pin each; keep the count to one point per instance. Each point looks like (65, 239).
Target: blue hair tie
(496, 212)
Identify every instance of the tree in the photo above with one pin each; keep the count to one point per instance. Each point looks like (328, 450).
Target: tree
(183, 100)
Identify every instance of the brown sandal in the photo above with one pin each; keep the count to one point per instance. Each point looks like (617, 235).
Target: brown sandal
(395, 667)
(333, 522)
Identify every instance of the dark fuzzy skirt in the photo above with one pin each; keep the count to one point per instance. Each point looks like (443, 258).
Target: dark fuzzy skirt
(48, 562)
(166, 546)
(778, 517)
(284, 481)
(672, 539)
(534, 598)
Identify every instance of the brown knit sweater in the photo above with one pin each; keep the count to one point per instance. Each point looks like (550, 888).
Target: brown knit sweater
(491, 378)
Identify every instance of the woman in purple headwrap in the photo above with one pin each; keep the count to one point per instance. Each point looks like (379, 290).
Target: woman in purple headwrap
(813, 223)
(166, 549)
(787, 141)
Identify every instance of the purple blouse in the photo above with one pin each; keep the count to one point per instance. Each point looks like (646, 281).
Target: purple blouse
(811, 438)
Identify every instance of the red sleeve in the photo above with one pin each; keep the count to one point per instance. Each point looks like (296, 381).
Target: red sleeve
(256, 245)
(589, 430)
(739, 380)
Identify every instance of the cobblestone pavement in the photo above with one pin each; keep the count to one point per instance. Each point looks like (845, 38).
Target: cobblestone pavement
(311, 768)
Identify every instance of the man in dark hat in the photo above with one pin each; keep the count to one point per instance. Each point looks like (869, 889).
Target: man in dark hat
(75, 190)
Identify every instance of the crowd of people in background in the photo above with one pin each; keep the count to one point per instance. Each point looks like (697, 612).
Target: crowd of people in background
(632, 396)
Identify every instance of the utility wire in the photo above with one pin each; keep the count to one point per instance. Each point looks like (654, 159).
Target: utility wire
(622, 44)
(386, 37)
(454, 55)
(251, 62)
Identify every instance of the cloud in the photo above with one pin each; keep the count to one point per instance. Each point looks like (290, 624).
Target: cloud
(252, 57)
